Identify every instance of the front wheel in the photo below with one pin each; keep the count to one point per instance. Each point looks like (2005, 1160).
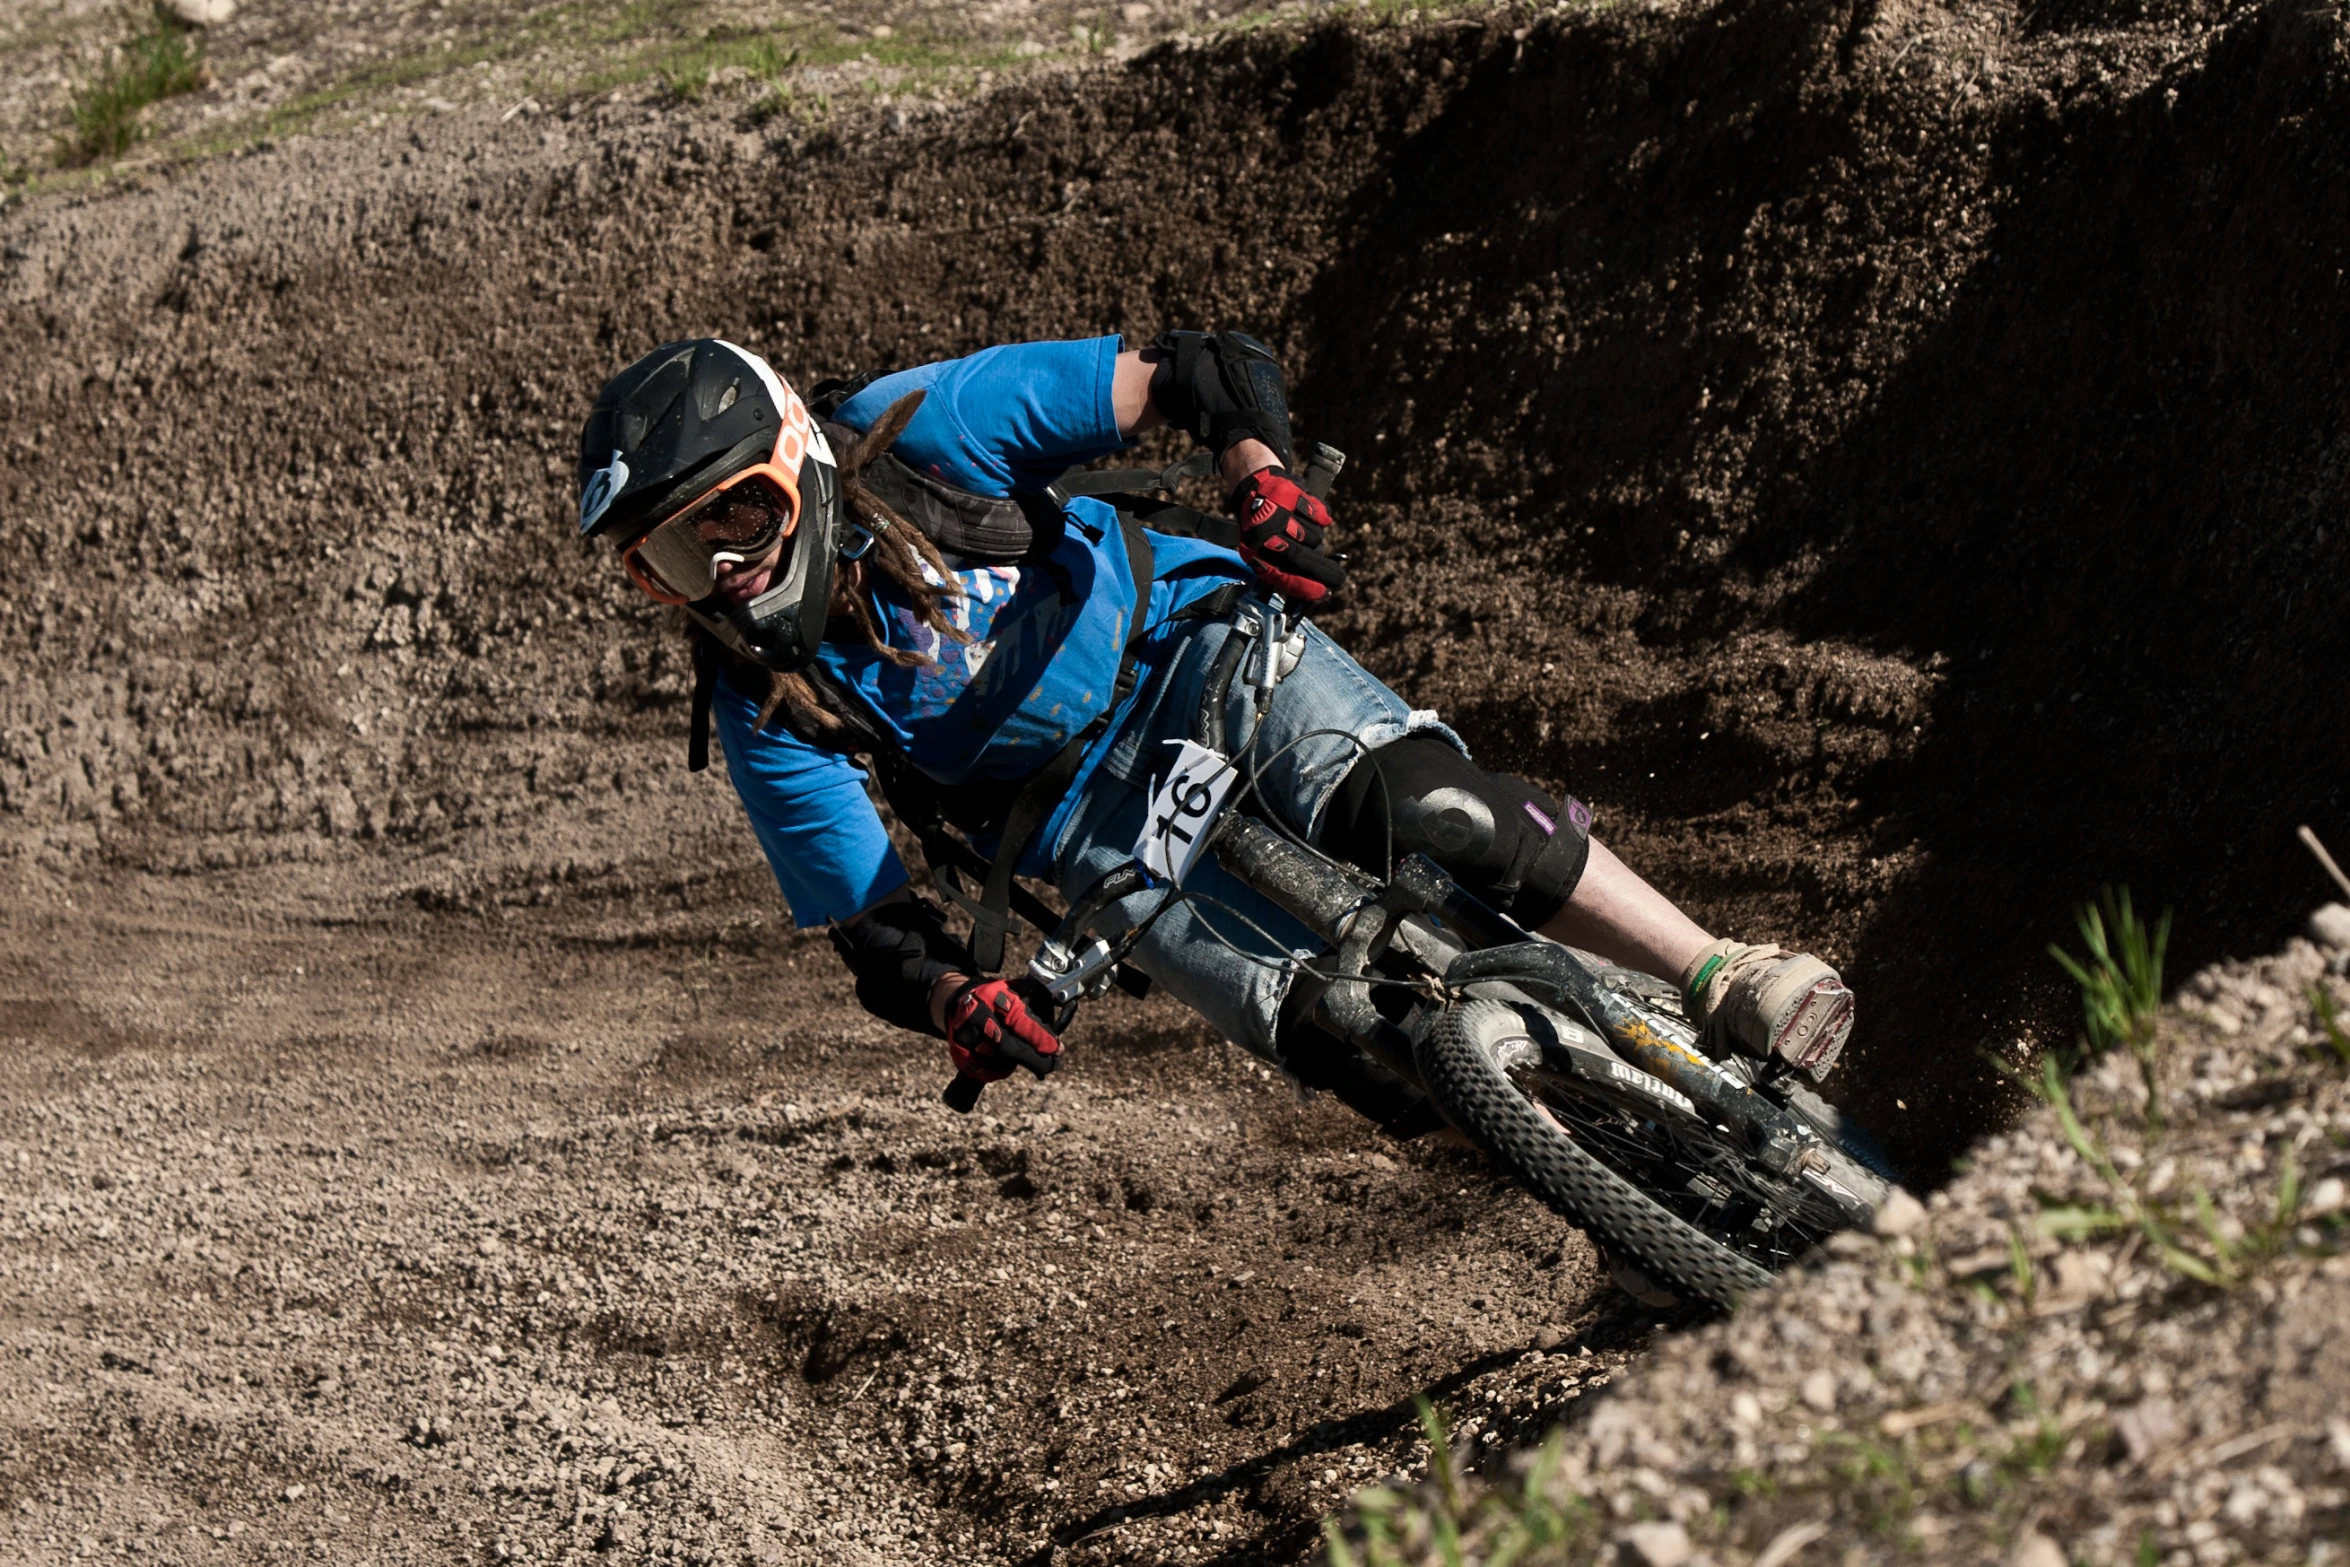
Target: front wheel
(1675, 1194)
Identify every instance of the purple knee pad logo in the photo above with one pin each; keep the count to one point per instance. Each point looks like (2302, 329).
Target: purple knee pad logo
(1577, 812)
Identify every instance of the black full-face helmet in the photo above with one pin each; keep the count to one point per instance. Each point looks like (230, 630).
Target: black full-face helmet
(681, 432)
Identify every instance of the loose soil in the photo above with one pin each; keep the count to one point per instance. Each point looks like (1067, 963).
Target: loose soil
(1888, 460)
(2109, 1341)
(370, 1238)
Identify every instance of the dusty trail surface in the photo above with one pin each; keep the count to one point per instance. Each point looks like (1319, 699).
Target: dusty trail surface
(1888, 459)
(365, 1238)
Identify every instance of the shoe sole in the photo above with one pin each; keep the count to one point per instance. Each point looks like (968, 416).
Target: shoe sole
(1818, 1029)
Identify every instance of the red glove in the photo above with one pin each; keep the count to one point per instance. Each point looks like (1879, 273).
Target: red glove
(990, 1031)
(1281, 529)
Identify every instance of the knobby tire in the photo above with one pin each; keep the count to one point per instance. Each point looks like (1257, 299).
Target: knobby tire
(1464, 1078)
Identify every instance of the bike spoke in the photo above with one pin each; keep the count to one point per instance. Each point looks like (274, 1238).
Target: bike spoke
(1771, 1221)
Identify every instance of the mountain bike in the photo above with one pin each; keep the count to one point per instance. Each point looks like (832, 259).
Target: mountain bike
(1587, 1081)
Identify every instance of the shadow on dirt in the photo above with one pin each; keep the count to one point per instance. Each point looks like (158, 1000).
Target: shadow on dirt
(2110, 487)
(1616, 1331)
(1706, 362)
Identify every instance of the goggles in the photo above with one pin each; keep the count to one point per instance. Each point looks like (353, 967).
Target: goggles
(733, 524)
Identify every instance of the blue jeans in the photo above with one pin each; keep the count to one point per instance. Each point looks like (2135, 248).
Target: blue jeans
(1207, 956)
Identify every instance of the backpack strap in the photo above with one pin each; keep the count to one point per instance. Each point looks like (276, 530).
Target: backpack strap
(918, 801)
(1147, 496)
(1185, 521)
(1025, 526)
(697, 745)
(1046, 786)
(959, 521)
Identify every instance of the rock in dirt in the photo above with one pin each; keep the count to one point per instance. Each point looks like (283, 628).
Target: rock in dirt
(1655, 1545)
(2034, 1549)
(2147, 1429)
(2330, 926)
(201, 13)
(1901, 1214)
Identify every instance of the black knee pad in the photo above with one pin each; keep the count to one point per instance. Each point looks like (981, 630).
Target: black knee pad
(1500, 837)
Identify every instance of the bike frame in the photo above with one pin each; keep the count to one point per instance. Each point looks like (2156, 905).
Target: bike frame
(1420, 918)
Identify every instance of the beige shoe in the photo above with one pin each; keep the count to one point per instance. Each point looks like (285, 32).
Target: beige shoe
(1770, 1002)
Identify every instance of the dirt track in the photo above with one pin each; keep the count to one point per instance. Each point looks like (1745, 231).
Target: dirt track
(1885, 460)
(342, 1235)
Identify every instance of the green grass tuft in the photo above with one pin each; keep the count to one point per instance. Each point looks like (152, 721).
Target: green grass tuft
(2121, 978)
(1877, 1480)
(107, 112)
(2329, 1019)
(1454, 1520)
(2121, 984)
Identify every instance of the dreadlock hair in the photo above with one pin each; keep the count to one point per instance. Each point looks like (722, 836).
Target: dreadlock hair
(906, 558)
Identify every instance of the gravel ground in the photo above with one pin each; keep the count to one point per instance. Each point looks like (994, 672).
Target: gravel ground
(425, 1238)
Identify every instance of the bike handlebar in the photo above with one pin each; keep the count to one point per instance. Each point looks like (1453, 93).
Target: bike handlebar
(1322, 467)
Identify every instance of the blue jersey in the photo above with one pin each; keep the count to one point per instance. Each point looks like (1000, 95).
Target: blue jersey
(1046, 638)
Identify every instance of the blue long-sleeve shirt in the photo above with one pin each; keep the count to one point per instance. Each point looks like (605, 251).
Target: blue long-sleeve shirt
(1045, 641)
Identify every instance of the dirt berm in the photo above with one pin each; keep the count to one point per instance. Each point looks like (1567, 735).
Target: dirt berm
(1889, 460)
(2115, 1338)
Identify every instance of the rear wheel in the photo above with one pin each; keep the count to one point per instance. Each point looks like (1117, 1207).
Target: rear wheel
(1678, 1196)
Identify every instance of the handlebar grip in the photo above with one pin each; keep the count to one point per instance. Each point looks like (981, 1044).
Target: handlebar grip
(1322, 466)
(962, 1095)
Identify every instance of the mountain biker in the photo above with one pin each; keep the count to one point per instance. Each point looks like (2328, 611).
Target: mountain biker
(1027, 657)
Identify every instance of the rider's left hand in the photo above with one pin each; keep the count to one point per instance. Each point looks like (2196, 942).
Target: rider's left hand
(990, 1030)
(1281, 532)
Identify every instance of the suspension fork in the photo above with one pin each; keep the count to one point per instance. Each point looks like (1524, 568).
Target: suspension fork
(1507, 951)
(1344, 909)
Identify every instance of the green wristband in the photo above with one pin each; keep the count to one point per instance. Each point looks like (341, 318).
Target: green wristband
(1705, 972)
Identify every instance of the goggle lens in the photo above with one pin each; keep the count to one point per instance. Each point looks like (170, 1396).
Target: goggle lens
(678, 561)
(746, 523)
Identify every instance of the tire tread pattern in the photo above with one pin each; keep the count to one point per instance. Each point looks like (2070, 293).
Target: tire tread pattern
(1457, 1062)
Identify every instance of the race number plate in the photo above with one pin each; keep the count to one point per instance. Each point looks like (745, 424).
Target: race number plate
(1181, 809)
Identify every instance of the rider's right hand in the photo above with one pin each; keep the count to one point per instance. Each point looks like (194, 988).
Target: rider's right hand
(990, 1030)
(1281, 533)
